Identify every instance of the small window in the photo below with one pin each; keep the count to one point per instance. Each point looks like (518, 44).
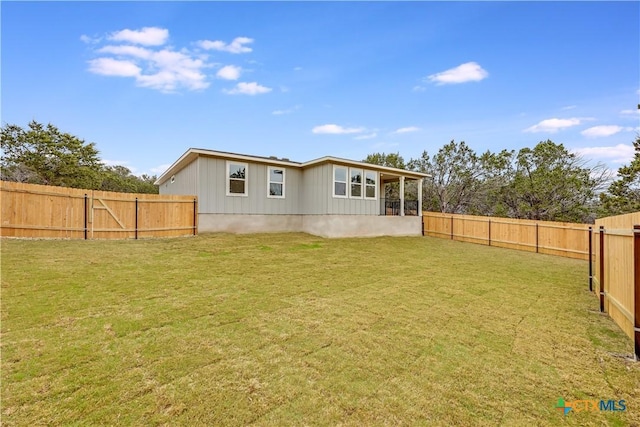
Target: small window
(370, 184)
(236, 179)
(356, 183)
(173, 179)
(275, 182)
(339, 181)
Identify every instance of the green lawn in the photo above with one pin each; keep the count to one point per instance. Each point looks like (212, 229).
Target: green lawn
(291, 329)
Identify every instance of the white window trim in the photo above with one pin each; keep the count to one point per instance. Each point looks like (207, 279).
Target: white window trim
(361, 183)
(246, 179)
(284, 180)
(346, 183)
(375, 197)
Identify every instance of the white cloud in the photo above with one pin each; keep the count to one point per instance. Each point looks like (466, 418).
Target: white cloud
(163, 69)
(467, 72)
(621, 153)
(297, 69)
(604, 130)
(419, 88)
(127, 50)
(148, 36)
(407, 129)
(335, 130)
(229, 72)
(554, 125)
(236, 46)
(367, 136)
(569, 107)
(630, 112)
(114, 67)
(252, 88)
(89, 40)
(287, 111)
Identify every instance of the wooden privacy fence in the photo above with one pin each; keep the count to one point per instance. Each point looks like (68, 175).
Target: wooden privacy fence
(39, 211)
(615, 271)
(554, 238)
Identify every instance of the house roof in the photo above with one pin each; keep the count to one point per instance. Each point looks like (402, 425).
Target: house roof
(193, 153)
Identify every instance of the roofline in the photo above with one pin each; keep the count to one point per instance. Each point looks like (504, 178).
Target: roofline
(397, 171)
(193, 153)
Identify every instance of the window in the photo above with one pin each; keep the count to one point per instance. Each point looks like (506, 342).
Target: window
(370, 181)
(275, 182)
(339, 181)
(236, 179)
(356, 183)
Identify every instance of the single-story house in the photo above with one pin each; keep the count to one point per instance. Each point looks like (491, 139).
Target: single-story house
(329, 196)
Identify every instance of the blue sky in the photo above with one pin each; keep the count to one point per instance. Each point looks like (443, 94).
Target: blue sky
(146, 81)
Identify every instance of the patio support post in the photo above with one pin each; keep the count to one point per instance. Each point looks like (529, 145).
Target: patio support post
(420, 196)
(402, 196)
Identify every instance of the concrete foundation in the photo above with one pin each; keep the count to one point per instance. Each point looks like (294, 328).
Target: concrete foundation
(319, 225)
(233, 223)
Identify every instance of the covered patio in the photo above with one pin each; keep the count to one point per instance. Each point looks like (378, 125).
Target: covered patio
(394, 198)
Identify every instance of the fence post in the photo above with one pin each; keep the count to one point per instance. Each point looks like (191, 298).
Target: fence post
(636, 287)
(195, 215)
(452, 228)
(601, 278)
(136, 218)
(590, 259)
(536, 237)
(489, 232)
(86, 205)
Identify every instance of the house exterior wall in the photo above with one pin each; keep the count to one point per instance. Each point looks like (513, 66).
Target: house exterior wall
(213, 198)
(186, 181)
(349, 205)
(315, 191)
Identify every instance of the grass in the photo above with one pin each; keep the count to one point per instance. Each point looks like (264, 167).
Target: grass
(291, 329)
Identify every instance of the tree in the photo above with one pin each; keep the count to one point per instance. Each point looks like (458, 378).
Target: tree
(456, 174)
(44, 155)
(550, 183)
(623, 195)
(496, 174)
(120, 178)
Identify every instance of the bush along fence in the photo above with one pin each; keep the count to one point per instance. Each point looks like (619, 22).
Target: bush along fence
(614, 271)
(39, 211)
(554, 238)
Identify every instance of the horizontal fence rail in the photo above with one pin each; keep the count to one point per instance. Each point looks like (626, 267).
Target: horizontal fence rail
(615, 271)
(39, 211)
(554, 238)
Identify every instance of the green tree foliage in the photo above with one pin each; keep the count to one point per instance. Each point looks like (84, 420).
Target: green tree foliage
(392, 160)
(456, 177)
(623, 195)
(550, 183)
(546, 182)
(43, 155)
(120, 178)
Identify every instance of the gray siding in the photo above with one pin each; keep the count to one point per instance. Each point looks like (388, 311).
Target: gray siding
(350, 206)
(316, 188)
(185, 181)
(213, 191)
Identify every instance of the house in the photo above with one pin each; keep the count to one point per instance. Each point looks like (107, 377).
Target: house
(329, 196)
